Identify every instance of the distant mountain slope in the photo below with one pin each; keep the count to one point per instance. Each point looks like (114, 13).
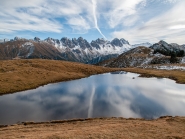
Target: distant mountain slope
(135, 57)
(78, 50)
(159, 53)
(167, 49)
(28, 49)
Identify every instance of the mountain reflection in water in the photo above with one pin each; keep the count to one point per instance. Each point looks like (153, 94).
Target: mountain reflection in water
(107, 95)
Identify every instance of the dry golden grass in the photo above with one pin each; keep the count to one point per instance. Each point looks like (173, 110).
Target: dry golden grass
(18, 75)
(99, 128)
(177, 75)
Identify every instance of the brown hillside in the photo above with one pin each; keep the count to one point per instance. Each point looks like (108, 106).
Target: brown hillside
(18, 75)
(138, 56)
(10, 50)
(99, 128)
(45, 50)
(28, 49)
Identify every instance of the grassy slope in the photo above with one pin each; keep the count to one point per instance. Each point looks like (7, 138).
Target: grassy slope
(18, 75)
(177, 75)
(109, 128)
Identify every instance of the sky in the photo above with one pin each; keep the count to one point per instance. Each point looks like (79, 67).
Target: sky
(137, 21)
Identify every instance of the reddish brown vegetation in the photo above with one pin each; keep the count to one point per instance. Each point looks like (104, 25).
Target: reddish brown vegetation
(109, 128)
(19, 75)
(177, 75)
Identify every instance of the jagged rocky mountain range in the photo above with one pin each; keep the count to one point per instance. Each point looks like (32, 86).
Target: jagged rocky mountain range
(83, 51)
(158, 53)
(79, 50)
(115, 53)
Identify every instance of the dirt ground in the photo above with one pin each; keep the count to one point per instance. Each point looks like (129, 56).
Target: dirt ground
(104, 128)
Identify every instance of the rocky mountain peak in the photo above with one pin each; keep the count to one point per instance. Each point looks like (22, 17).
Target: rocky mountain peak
(174, 45)
(20, 39)
(75, 41)
(80, 39)
(124, 41)
(16, 38)
(167, 49)
(101, 41)
(116, 42)
(49, 39)
(64, 39)
(163, 43)
(160, 45)
(67, 42)
(37, 39)
(83, 43)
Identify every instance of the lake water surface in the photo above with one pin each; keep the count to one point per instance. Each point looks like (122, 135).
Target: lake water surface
(118, 94)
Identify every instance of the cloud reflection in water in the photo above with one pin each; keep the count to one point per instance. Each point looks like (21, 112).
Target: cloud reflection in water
(103, 95)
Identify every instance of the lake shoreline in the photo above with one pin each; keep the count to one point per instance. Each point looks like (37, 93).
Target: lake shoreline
(53, 82)
(176, 75)
(30, 74)
(22, 75)
(18, 72)
(115, 127)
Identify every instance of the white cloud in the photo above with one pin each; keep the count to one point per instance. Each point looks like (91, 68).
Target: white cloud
(130, 20)
(177, 27)
(78, 24)
(94, 6)
(126, 18)
(159, 27)
(15, 17)
(41, 15)
(118, 11)
(79, 14)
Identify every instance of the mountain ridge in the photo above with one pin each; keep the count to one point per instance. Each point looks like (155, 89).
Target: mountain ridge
(158, 53)
(78, 50)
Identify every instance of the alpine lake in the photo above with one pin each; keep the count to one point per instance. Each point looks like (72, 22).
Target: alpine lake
(117, 94)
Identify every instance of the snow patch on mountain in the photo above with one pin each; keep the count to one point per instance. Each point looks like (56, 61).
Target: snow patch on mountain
(134, 57)
(79, 50)
(84, 51)
(171, 67)
(138, 57)
(147, 61)
(27, 46)
(96, 47)
(183, 60)
(166, 67)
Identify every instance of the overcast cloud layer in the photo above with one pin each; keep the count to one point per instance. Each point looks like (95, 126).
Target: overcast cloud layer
(135, 20)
